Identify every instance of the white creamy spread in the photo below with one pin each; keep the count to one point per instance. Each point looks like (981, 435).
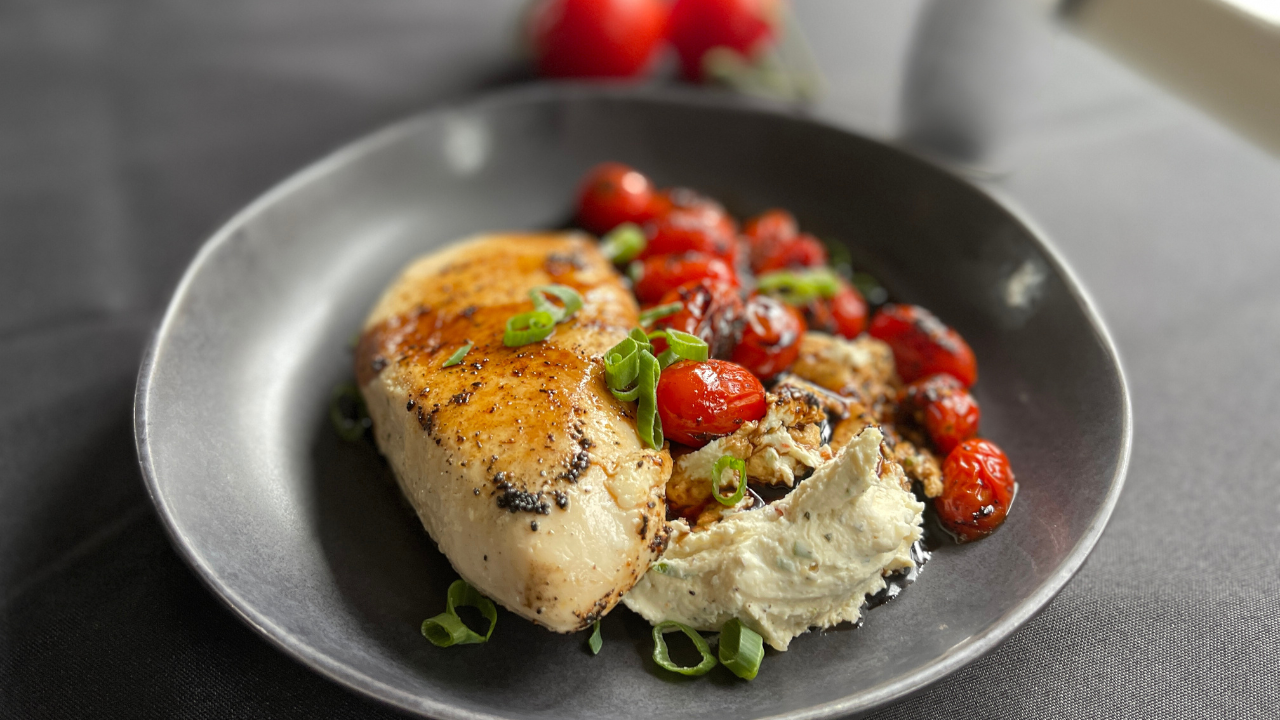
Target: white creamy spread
(807, 560)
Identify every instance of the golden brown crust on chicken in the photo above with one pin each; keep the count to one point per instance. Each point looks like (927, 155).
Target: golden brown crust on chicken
(521, 464)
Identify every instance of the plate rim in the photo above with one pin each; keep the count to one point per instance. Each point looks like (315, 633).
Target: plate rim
(353, 679)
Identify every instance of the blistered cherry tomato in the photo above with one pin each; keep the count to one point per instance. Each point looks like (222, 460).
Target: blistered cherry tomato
(712, 310)
(802, 251)
(611, 194)
(843, 314)
(683, 231)
(701, 401)
(696, 26)
(692, 204)
(662, 273)
(771, 226)
(770, 338)
(596, 38)
(977, 487)
(945, 408)
(922, 345)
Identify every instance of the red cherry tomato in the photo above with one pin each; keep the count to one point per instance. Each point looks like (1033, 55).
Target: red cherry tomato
(977, 487)
(771, 337)
(596, 38)
(945, 408)
(696, 26)
(612, 194)
(701, 401)
(802, 251)
(694, 205)
(922, 345)
(662, 273)
(712, 310)
(771, 226)
(683, 231)
(843, 314)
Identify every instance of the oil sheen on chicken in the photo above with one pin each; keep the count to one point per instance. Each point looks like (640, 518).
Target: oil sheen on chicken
(522, 466)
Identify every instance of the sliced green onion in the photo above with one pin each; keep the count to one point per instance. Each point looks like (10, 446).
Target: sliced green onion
(660, 568)
(458, 354)
(528, 328)
(352, 425)
(680, 346)
(657, 312)
(623, 243)
(717, 472)
(631, 372)
(570, 301)
(448, 629)
(595, 642)
(741, 649)
(800, 287)
(663, 658)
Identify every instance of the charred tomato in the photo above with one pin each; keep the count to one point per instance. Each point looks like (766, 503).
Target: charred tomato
(922, 345)
(770, 337)
(977, 488)
(660, 274)
(711, 310)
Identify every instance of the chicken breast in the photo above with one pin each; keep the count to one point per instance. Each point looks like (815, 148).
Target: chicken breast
(522, 466)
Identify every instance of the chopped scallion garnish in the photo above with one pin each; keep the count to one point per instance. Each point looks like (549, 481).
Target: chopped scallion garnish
(680, 346)
(458, 354)
(740, 467)
(800, 287)
(631, 371)
(595, 642)
(570, 301)
(623, 243)
(528, 327)
(663, 658)
(448, 629)
(741, 649)
(657, 312)
(348, 413)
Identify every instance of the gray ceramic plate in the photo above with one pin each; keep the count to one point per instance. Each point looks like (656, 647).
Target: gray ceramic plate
(305, 537)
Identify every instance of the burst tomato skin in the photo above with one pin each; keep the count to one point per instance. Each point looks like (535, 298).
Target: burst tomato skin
(701, 401)
(772, 225)
(770, 338)
(978, 486)
(696, 26)
(694, 206)
(922, 345)
(712, 310)
(662, 273)
(596, 38)
(844, 314)
(611, 194)
(946, 410)
(683, 231)
(802, 251)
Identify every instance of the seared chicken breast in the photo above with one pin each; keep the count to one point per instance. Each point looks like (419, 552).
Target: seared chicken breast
(521, 464)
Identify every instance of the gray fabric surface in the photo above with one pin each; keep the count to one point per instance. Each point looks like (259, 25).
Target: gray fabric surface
(130, 129)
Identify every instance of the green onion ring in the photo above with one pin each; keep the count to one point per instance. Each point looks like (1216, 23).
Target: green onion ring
(800, 287)
(631, 372)
(348, 428)
(623, 243)
(647, 419)
(717, 472)
(528, 328)
(571, 301)
(448, 629)
(680, 346)
(595, 642)
(663, 658)
(657, 312)
(456, 357)
(741, 649)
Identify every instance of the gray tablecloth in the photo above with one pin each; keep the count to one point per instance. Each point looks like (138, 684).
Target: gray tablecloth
(129, 129)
